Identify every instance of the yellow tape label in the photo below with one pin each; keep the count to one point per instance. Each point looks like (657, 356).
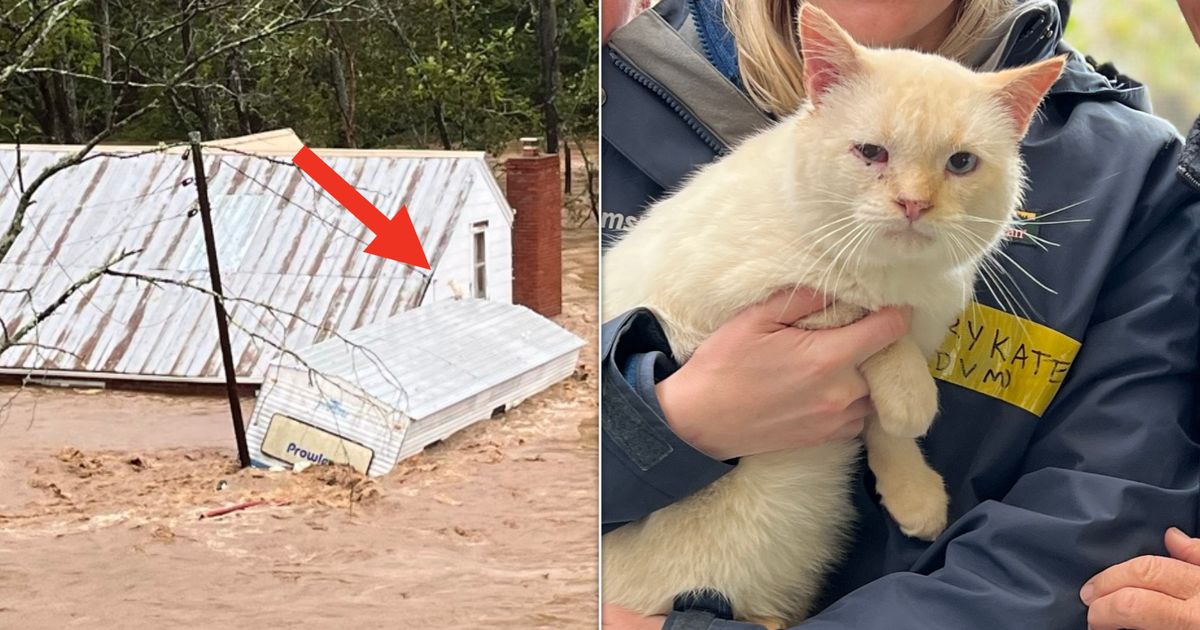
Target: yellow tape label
(1004, 356)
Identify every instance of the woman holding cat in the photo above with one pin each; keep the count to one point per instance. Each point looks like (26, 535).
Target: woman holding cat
(1042, 496)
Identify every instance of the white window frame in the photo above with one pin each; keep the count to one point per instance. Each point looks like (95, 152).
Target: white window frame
(479, 288)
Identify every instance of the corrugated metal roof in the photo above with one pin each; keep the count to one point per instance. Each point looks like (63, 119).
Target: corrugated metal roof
(430, 358)
(282, 143)
(281, 242)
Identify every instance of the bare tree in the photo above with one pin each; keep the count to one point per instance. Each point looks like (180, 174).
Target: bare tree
(344, 74)
(590, 171)
(548, 44)
(27, 35)
(33, 28)
(199, 104)
(19, 337)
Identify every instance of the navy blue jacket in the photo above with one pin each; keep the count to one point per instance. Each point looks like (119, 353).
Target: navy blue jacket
(1038, 504)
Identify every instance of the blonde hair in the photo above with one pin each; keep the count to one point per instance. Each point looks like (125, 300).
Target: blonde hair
(769, 51)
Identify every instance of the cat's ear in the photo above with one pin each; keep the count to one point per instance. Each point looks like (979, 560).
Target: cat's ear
(830, 54)
(1020, 90)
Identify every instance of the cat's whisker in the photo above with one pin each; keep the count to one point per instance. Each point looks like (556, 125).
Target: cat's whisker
(1040, 219)
(999, 290)
(1038, 240)
(1039, 245)
(847, 201)
(1016, 264)
(852, 255)
(991, 290)
(841, 228)
(1014, 304)
(1060, 222)
(1015, 300)
(823, 238)
(816, 232)
(1002, 293)
(826, 225)
(870, 237)
(829, 269)
(832, 196)
(800, 253)
(1022, 221)
(1015, 286)
(1026, 273)
(841, 225)
(1009, 301)
(834, 265)
(1064, 208)
(829, 191)
(788, 303)
(960, 253)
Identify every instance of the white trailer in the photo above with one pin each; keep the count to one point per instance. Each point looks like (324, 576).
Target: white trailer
(383, 392)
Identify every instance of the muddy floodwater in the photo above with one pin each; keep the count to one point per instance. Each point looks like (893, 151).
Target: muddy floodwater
(101, 495)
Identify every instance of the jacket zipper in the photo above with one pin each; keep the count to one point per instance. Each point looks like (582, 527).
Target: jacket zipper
(1187, 176)
(717, 146)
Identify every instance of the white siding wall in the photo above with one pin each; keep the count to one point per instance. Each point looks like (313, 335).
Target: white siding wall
(457, 264)
(332, 405)
(443, 424)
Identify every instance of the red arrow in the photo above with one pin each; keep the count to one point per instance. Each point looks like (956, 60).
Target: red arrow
(395, 238)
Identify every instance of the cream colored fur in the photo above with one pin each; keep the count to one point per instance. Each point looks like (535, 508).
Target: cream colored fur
(796, 206)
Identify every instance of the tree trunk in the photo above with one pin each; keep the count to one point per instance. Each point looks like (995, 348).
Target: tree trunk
(198, 104)
(65, 111)
(47, 114)
(566, 145)
(106, 71)
(234, 67)
(548, 43)
(590, 171)
(343, 86)
(439, 116)
(74, 129)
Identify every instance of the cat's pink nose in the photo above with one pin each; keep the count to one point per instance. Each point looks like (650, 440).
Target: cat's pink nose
(913, 208)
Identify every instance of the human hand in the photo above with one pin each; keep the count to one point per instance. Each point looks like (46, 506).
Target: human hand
(759, 385)
(1149, 592)
(1191, 13)
(614, 617)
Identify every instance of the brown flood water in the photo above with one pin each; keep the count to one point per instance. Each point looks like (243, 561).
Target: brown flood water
(100, 494)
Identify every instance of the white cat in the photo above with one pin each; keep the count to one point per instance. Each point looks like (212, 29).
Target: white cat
(889, 188)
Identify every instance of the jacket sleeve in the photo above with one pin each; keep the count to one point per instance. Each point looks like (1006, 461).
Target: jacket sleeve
(644, 465)
(1111, 465)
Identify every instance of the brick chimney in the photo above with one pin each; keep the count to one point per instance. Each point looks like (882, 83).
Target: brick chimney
(535, 193)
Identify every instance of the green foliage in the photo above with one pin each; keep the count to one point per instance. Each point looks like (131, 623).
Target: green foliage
(1149, 41)
(376, 73)
(578, 100)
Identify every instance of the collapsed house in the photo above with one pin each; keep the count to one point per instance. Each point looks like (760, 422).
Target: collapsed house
(291, 258)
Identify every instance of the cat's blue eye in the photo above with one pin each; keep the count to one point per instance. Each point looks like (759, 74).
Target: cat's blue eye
(962, 163)
(871, 153)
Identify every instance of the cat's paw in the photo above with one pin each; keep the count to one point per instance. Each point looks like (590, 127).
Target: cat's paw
(917, 501)
(906, 407)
